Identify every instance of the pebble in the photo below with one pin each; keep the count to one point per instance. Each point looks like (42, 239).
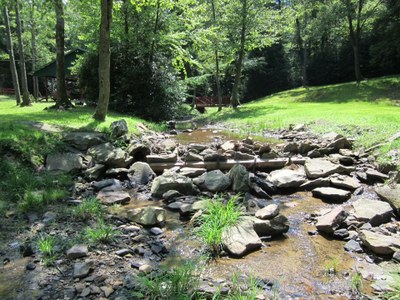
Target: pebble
(146, 269)
(30, 266)
(107, 290)
(156, 231)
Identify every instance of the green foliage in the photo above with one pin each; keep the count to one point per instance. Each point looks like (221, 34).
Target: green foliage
(47, 245)
(90, 208)
(177, 283)
(243, 288)
(356, 283)
(101, 233)
(218, 217)
(331, 268)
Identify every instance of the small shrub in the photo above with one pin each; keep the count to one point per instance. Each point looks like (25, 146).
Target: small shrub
(46, 245)
(32, 201)
(89, 209)
(331, 268)
(356, 283)
(102, 233)
(217, 218)
(245, 289)
(179, 283)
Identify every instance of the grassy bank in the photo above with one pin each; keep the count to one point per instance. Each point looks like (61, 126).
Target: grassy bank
(77, 118)
(370, 112)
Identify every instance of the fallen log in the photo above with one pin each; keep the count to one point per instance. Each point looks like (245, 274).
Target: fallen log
(256, 164)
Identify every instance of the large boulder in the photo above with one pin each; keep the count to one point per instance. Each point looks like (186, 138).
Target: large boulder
(240, 239)
(173, 181)
(119, 128)
(113, 197)
(213, 181)
(147, 216)
(390, 194)
(380, 243)
(331, 221)
(110, 156)
(268, 212)
(141, 173)
(64, 162)
(138, 150)
(276, 226)
(331, 194)
(373, 211)
(319, 167)
(84, 140)
(287, 178)
(240, 178)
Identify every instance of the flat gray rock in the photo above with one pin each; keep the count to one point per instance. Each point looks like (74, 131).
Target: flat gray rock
(380, 243)
(165, 158)
(268, 212)
(77, 251)
(331, 221)
(173, 181)
(147, 216)
(81, 269)
(192, 172)
(84, 140)
(345, 182)
(193, 157)
(213, 181)
(110, 156)
(274, 227)
(113, 197)
(390, 194)
(287, 178)
(374, 212)
(240, 239)
(319, 167)
(64, 162)
(331, 194)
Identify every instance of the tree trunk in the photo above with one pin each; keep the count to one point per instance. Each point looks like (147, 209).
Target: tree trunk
(33, 46)
(26, 101)
(217, 80)
(62, 98)
(239, 61)
(104, 60)
(13, 67)
(357, 69)
(305, 64)
(153, 43)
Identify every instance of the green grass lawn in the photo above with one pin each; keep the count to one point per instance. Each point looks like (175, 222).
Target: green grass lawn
(77, 118)
(370, 112)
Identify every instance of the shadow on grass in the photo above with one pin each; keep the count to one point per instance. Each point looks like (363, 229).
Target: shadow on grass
(245, 113)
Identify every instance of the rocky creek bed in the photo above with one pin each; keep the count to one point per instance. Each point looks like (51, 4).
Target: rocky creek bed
(315, 213)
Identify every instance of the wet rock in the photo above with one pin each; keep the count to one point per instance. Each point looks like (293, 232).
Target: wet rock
(113, 197)
(213, 181)
(31, 266)
(110, 156)
(84, 140)
(274, 227)
(165, 158)
(312, 184)
(156, 231)
(119, 128)
(380, 243)
(192, 172)
(171, 194)
(345, 182)
(375, 175)
(77, 251)
(141, 173)
(193, 157)
(167, 182)
(82, 269)
(353, 246)
(240, 239)
(390, 194)
(268, 212)
(319, 167)
(189, 208)
(396, 256)
(123, 252)
(373, 211)
(341, 233)
(64, 162)
(147, 216)
(240, 178)
(266, 185)
(95, 172)
(287, 178)
(331, 221)
(331, 194)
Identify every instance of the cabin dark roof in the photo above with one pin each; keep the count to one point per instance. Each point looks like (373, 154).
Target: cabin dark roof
(50, 70)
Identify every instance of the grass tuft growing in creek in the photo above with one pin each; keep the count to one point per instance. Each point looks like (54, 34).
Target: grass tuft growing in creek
(179, 283)
(101, 233)
(219, 216)
(47, 245)
(356, 283)
(89, 209)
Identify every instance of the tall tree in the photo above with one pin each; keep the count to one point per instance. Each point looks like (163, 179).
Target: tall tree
(13, 67)
(26, 101)
(32, 24)
(104, 60)
(216, 55)
(62, 98)
(358, 13)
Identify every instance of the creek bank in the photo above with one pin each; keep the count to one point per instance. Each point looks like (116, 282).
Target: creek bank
(119, 171)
